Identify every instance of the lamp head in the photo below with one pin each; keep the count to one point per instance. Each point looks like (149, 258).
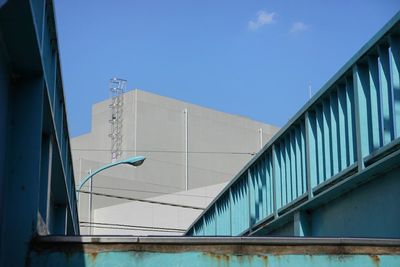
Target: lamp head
(135, 161)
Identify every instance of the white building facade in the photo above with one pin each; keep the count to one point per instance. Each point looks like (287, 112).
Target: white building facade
(187, 148)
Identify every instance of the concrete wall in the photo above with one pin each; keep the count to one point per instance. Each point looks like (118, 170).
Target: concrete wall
(155, 127)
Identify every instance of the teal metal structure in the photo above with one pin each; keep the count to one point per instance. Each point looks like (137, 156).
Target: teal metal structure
(37, 190)
(218, 252)
(333, 169)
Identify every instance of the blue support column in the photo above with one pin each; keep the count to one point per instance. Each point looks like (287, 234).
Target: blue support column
(22, 183)
(45, 182)
(302, 223)
(4, 96)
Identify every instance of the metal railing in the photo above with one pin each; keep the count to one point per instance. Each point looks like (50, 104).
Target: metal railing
(353, 121)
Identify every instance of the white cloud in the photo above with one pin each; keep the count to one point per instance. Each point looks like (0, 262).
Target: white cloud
(263, 18)
(299, 27)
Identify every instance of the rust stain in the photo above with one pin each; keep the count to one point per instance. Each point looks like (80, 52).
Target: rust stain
(93, 256)
(218, 257)
(375, 259)
(264, 258)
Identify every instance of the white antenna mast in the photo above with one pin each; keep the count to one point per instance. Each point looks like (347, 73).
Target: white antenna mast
(117, 87)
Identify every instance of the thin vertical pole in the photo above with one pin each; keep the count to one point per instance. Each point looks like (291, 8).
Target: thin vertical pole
(185, 111)
(260, 131)
(90, 203)
(135, 122)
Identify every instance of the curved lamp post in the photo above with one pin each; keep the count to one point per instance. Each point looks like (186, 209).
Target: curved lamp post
(133, 161)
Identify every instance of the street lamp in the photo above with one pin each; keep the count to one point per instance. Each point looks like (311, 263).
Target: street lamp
(133, 161)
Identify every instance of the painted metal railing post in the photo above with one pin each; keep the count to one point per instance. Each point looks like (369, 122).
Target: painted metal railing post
(310, 154)
(303, 155)
(230, 211)
(360, 76)
(386, 94)
(249, 189)
(334, 136)
(342, 113)
(274, 181)
(375, 97)
(350, 121)
(204, 225)
(327, 138)
(215, 219)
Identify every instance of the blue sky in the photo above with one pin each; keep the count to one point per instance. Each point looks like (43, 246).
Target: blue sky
(252, 58)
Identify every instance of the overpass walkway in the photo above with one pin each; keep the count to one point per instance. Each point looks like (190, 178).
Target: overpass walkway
(333, 169)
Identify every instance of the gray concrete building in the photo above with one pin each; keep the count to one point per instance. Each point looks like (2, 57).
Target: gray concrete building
(186, 146)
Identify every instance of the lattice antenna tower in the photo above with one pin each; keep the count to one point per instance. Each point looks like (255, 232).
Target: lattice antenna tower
(117, 88)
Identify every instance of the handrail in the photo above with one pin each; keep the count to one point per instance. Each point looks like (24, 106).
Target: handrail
(350, 118)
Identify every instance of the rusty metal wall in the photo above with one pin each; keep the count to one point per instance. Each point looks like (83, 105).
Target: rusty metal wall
(147, 251)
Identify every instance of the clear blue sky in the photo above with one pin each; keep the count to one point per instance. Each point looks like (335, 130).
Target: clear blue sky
(253, 58)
